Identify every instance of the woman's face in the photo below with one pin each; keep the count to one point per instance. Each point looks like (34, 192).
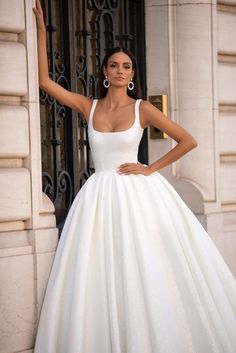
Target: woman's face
(119, 69)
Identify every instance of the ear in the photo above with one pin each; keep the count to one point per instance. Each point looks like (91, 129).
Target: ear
(133, 72)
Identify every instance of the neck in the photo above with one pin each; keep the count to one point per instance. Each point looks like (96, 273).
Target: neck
(117, 97)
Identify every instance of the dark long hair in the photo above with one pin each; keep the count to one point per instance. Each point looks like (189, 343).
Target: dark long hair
(102, 91)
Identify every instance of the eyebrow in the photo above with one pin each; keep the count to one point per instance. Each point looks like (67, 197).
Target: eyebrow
(115, 62)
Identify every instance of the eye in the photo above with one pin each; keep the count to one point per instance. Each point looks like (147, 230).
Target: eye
(127, 66)
(112, 65)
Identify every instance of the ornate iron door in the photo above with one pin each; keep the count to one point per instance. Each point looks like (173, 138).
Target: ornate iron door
(78, 34)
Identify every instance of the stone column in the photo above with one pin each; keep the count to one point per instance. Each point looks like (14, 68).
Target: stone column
(174, 67)
(182, 61)
(28, 235)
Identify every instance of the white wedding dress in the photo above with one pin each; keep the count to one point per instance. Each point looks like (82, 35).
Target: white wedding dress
(135, 271)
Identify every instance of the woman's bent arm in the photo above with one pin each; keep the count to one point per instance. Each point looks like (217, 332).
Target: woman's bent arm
(186, 142)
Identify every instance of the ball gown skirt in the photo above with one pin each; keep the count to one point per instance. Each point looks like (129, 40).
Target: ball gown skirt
(134, 271)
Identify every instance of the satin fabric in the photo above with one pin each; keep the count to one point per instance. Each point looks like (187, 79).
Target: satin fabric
(135, 271)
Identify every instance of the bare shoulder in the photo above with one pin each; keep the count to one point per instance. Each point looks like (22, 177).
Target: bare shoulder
(145, 105)
(147, 112)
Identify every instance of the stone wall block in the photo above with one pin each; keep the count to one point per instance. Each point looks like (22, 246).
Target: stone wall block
(12, 226)
(12, 16)
(14, 132)
(226, 83)
(194, 56)
(44, 263)
(17, 316)
(15, 195)
(227, 183)
(29, 38)
(227, 128)
(231, 2)
(203, 132)
(226, 32)
(15, 243)
(46, 240)
(193, 2)
(13, 73)
(157, 49)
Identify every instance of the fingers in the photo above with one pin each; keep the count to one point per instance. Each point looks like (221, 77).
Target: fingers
(38, 8)
(124, 165)
(129, 168)
(38, 5)
(133, 168)
(39, 16)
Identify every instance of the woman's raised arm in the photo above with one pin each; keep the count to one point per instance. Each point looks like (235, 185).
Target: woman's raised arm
(73, 100)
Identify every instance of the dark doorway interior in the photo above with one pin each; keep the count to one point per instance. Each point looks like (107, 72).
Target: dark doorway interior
(78, 34)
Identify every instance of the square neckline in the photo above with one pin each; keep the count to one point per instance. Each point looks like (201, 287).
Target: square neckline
(112, 132)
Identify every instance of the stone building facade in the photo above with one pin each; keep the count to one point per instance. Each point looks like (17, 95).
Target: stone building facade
(28, 234)
(191, 57)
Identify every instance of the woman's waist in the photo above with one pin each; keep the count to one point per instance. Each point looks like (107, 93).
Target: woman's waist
(103, 164)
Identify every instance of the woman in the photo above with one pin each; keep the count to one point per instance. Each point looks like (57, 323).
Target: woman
(134, 271)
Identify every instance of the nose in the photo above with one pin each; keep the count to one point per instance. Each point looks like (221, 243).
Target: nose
(119, 69)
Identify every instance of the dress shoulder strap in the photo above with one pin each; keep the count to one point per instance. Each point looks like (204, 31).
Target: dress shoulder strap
(137, 105)
(92, 111)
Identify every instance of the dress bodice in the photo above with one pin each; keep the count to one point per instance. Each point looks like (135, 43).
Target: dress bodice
(110, 149)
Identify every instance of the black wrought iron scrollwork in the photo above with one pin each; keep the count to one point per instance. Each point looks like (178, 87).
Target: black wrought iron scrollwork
(79, 33)
(64, 184)
(81, 66)
(57, 181)
(96, 4)
(48, 187)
